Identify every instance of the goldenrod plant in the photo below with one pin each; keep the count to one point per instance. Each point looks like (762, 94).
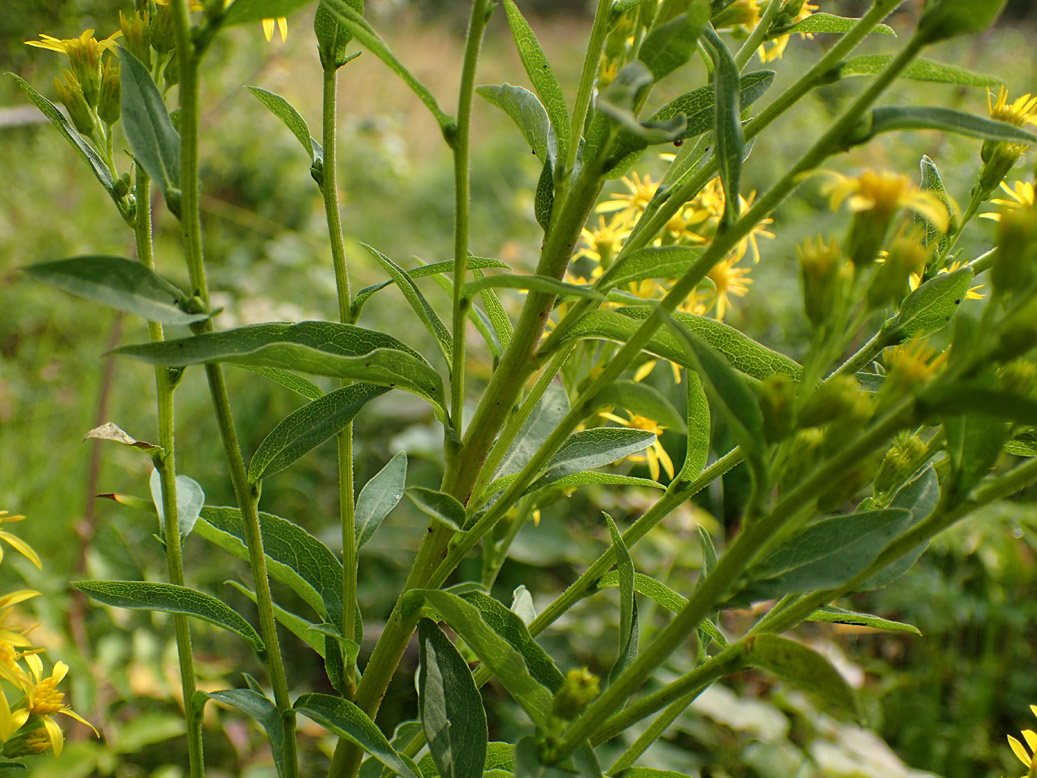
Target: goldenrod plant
(913, 402)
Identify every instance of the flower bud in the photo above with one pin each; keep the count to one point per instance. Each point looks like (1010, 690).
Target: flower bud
(777, 401)
(109, 107)
(804, 454)
(823, 270)
(136, 36)
(1012, 269)
(840, 397)
(899, 464)
(70, 92)
(578, 689)
(889, 283)
(162, 30)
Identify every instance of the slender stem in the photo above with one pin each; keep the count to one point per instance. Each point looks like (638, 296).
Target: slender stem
(247, 497)
(589, 74)
(752, 43)
(462, 139)
(344, 440)
(166, 466)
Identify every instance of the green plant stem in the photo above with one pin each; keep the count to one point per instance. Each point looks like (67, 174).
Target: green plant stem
(589, 74)
(731, 565)
(247, 498)
(755, 39)
(166, 466)
(462, 203)
(344, 440)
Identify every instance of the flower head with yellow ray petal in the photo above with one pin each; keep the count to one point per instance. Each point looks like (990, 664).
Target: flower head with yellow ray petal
(1027, 754)
(778, 45)
(655, 455)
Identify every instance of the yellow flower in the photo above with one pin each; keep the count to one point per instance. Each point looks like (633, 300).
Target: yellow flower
(10, 721)
(655, 454)
(1022, 195)
(633, 204)
(729, 280)
(282, 26)
(1026, 757)
(605, 242)
(779, 44)
(44, 700)
(1021, 111)
(85, 43)
(884, 193)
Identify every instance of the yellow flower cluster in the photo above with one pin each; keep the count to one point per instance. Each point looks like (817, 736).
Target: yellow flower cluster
(1027, 757)
(28, 726)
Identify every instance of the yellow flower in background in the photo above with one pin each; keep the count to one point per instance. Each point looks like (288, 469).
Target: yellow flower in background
(1026, 757)
(44, 700)
(605, 242)
(631, 204)
(1022, 194)
(655, 455)
(85, 45)
(729, 281)
(282, 26)
(884, 193)
(1020, 111)
(779, 44)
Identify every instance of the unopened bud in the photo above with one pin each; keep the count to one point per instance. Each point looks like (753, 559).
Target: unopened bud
(777, 401)
(803, 457)
(70, 92)
(899, 464)
(109, 106)
(136, 36)
(578, 689)
(162, 30)
(823, 270)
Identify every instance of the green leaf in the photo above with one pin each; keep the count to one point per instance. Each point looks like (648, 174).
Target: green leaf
(832, 615)
(365, 34)
(697, 453)
(827, 23)
(292, 119)
(248, 11)
(825, 554)
(500, 762)
(931, 182)
(145, 595)
(439, 506)
(189, 501)
(544, 197)
(474, 264)
(895, 117)
(69, 133)
(259, 707)
(930, 307)
(949, 18)
(979, 398)
(294, 557)
(450, 706)
(596, 477)
(297, 384)
(379, 496)
(589, 449)
(316, 347)
(803, 667)
(648, 587)
(417, 302)
(499, 656)
(549, 411)
(347, 720)
(496, 314)
(294, 623)
(727, 127)
(670, 45)
(741, 352)
(332, 36)
(527, 112)
(650, 262)
(539, 71)
(118, 283)
(534, 283)
(308, 427)
(145, 119)
(628, 631)
(920, 496)
(1023, 444)
(621, 100)
(975, 438)
(641, 399)
(509, 626)
(919, 70)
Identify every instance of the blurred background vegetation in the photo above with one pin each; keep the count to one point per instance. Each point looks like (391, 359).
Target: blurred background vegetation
(943, 702)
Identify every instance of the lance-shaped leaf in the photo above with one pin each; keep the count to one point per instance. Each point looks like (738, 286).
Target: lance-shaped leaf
(288, 380)
(294, 557)
(549, 411)
(824, 555)
(650, 262)
(801, 666)
(189, 501)
(417, 301)
(670, 45)
(347, 720)
(500, 657)
(628, 631)
(949, 18)
(508, 625)
(588, 449)
(439, 506)
(544, 197)
(69, 133)
(379, 496)
(497, 316)
(253, 703)
(316, 347)
(727, 125)
(532, 283)
(897, 117)
(698, 426)
(640, 399)
(292, 119)
(302, 628)
(931, 182)
(930, 307)
(527, 112)
(353, 21)
(621, 100)
(308, 427)
(832, 615)
(919, 70)
(145, 119)
(116, 434)
(450, 706)
(540, 73)
(148, 596)
(828, 23)
(741, 352)
(118, 283)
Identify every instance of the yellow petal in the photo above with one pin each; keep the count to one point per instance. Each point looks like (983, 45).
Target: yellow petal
(1019, 750)
(282, 25)
(73, 715)
(57, 739)
(13, 598)
(22, 548)
(268, 28)
(1031, 739)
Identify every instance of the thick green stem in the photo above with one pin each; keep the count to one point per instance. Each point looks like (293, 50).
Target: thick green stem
(247, 497)
(347, 506)
(166, 466)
